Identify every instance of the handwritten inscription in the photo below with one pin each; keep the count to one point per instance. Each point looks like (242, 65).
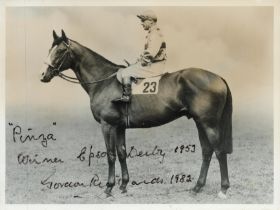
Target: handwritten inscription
(87, 154)
(156, 180)
(133, 152)
(56, 185)
(185, 148)
(24, 159)
(180, 178)
(83, 155)
(96, 182)
(26, 135)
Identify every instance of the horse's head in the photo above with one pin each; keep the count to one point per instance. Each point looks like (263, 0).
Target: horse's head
(59, 58)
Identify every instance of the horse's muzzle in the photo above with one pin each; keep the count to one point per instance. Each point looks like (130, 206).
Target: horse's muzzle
(45, 80)
(45, 77)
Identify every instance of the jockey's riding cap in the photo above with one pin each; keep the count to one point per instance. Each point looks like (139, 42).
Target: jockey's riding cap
(147, 15)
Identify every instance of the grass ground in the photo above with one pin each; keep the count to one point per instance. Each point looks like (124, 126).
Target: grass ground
(250, 165)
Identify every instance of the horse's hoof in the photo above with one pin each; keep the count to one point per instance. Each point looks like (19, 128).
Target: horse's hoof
(123, 189)
(108, 195)
(108, 192)
(196, 189)
(222, 195)
(193, 193)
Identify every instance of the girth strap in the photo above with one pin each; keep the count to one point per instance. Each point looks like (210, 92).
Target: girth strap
(127, 115)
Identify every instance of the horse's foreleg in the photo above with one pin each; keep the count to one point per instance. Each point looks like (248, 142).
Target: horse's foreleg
(108, 132)
(222, 158)
(207, 152)
(121, 149)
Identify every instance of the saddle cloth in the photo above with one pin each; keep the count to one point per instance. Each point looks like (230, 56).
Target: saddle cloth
(146, 86)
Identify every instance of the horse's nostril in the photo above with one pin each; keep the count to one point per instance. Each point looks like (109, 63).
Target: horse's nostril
(43, 73)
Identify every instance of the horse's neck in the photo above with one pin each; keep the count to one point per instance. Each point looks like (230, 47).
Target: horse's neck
(89, 66)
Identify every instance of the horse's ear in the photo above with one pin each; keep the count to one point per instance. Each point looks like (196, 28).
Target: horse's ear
(55, 35)
(64, 38)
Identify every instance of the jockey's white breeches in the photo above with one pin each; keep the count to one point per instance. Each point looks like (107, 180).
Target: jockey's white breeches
(138, 71)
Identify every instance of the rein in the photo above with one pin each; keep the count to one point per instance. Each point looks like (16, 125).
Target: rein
(75, 80)
(57, 72)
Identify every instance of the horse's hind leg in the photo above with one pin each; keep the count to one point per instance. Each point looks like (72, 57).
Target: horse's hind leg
(207, 152)
(222, 158)
(213, 134)
(109, 136)
(121, 150)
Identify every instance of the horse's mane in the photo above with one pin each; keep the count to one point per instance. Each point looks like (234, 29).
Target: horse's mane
(99, 57)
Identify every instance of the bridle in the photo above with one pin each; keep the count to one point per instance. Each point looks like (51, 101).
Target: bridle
(56, 71)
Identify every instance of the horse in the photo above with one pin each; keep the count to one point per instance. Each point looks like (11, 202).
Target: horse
(193, 92)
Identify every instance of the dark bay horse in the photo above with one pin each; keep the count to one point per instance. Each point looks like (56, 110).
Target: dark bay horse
(198, 94)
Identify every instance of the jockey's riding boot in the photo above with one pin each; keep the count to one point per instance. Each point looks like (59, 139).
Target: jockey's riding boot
(126, 82)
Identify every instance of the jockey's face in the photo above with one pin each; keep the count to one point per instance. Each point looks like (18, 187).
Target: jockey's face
(147, 24)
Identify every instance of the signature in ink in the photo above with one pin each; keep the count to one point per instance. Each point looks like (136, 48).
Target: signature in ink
(55, 185)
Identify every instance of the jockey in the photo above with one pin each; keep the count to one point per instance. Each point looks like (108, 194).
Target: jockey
(151, 62)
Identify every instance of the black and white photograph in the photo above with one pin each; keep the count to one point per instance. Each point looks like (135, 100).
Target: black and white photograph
(141, 104)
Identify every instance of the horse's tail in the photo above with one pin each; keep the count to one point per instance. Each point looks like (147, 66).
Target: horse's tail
(226, 123)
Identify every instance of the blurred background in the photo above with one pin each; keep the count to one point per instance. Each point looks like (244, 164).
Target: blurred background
(234, 42)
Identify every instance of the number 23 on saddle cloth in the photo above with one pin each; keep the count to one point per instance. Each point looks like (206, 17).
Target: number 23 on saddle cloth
(146, 86)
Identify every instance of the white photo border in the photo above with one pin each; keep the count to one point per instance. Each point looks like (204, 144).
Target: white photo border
(276, 43)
